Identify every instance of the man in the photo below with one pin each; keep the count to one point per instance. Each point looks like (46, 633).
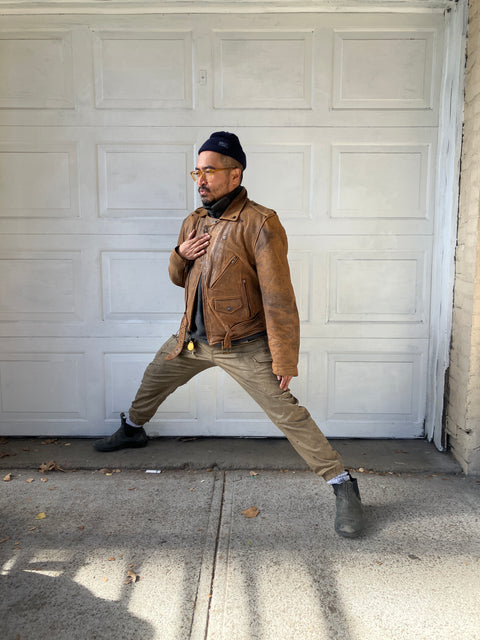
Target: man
(241, 315)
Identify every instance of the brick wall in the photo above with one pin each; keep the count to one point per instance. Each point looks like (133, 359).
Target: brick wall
(463, 404)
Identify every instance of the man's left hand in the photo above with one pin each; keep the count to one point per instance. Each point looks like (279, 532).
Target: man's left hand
(284, 382)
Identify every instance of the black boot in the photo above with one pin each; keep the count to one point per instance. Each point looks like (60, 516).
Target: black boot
(123, 438)
(349, 521)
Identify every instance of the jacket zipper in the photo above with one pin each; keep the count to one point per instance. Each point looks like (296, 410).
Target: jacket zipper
(246, 296)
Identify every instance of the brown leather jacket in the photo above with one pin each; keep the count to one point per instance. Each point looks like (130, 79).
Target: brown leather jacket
(246, 282)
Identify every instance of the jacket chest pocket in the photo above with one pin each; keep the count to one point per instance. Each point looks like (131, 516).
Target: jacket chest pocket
(224, 270)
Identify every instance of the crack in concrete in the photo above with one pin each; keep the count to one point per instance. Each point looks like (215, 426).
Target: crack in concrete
(201, 613)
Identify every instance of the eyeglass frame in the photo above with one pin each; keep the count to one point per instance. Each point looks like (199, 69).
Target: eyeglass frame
(207, 173)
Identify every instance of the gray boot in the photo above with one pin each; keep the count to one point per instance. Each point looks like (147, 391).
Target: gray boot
(349, 521)
(125, 437)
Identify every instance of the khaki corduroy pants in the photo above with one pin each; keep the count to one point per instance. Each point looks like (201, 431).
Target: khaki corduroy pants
(250, 364)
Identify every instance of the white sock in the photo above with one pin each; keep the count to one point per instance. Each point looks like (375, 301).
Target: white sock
(132, 424)
(343, 477)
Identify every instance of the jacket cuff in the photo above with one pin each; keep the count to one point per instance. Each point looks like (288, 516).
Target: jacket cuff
(285, 371)
(177, 259)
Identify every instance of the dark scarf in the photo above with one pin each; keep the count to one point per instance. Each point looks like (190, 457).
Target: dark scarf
(216, 209)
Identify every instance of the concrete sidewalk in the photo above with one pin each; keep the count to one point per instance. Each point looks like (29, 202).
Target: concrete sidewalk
(206, 572)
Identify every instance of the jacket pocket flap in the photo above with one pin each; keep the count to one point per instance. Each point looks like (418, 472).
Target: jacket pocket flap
(229, 305)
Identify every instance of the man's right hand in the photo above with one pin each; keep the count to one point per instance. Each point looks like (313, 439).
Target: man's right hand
(193, 247)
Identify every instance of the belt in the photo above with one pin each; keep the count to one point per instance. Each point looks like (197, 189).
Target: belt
(181, 340)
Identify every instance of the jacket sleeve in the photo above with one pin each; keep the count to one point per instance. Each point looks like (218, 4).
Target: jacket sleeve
(178, 267)
(278, 297)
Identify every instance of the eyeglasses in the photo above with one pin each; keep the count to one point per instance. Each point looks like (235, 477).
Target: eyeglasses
(207, 174)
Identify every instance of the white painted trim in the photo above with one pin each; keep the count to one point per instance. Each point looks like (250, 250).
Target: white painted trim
(130, 7)
(446, 205)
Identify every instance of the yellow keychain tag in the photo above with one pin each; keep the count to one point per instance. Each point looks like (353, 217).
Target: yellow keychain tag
(190, 346)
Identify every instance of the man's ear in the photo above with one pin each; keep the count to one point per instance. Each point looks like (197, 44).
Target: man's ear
(237, 174)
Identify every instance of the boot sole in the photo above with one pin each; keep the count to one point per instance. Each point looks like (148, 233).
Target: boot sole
(345, 534)
(138, 445)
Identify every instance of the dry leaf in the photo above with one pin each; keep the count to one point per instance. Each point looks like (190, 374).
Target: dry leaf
(40, 516)
(43, 479)
(8, 477)
(105, 471)
(111, 559)
(30, 480)
(253, 474)
(251, 512)
(50, 441)
(45, 467)
(132, 577)
(5, 539)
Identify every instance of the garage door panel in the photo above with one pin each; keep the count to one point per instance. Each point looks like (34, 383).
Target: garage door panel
(138, 180)
(373, 386)
(365, 61)
(357, 387)
(377, 287)
(40, 286)
(37, 69)
(135, 288)
(145, 69)
(39, 180)
(388, 181)
(40, 387)
(280, 79)
(382, 393)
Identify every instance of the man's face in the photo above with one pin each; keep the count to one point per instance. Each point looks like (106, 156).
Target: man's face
(221, 183)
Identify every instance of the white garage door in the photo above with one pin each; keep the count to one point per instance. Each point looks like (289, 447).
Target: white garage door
(101, 120)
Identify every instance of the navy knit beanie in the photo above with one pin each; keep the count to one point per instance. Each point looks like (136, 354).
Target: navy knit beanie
(227, 144)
